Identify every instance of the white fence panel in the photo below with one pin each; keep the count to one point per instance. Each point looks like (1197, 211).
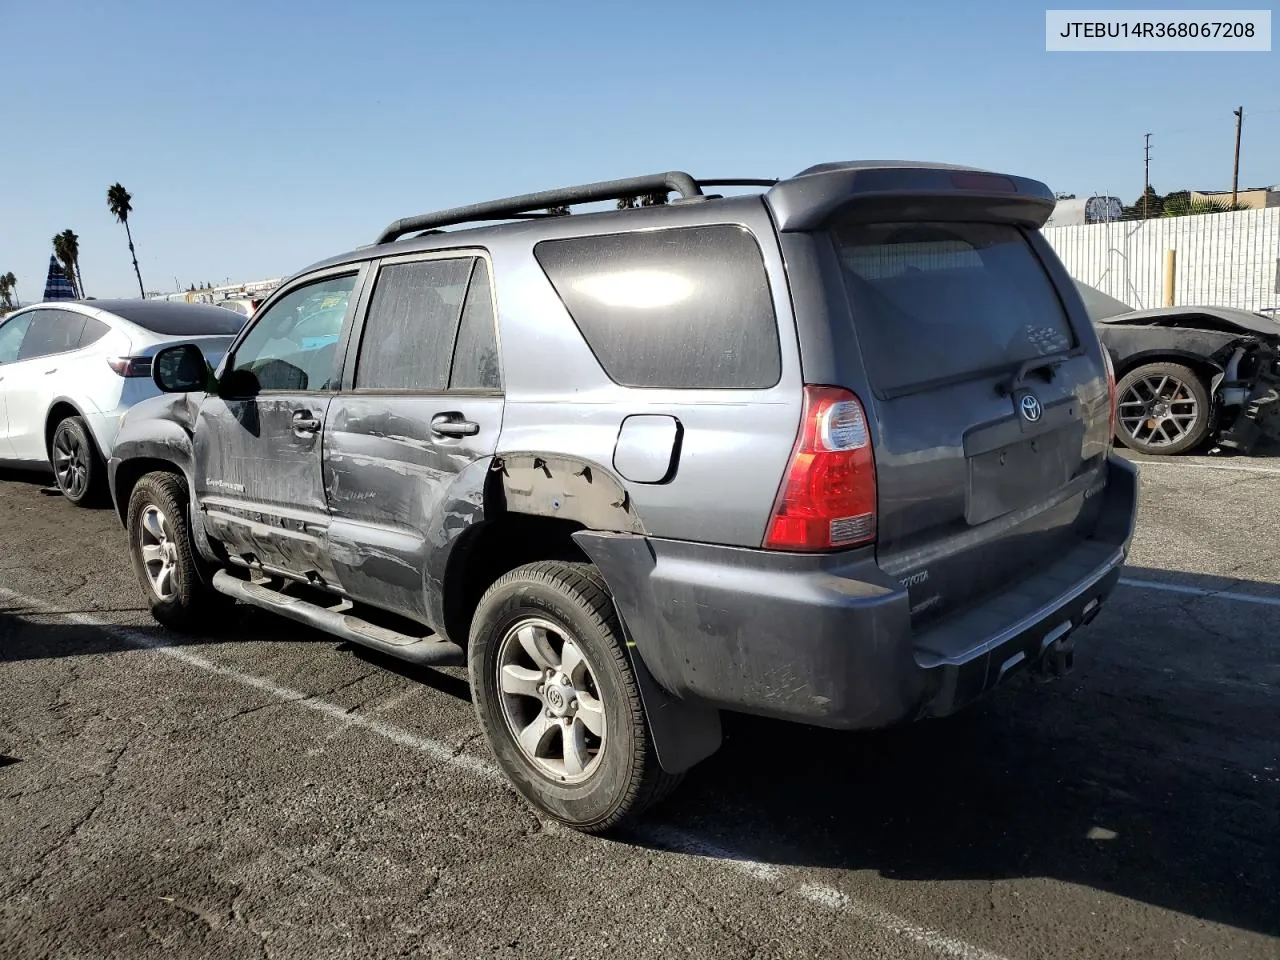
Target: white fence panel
(1222, 259)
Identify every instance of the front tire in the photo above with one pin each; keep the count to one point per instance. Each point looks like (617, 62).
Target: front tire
(77, 468)
(173, 577)
(1164, 409)
(558, 700)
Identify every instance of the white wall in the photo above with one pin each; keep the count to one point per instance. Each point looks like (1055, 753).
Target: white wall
(1223, 259)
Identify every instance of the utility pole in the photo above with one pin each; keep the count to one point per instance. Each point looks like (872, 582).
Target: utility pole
(1146, 176)
(1235, 169)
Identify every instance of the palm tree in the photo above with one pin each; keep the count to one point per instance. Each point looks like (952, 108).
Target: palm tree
(66, 247)
(1183, 206)
(6, 295)
(120, 204)
(11, 282)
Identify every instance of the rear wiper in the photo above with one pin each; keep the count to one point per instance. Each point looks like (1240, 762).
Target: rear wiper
(1049, 362)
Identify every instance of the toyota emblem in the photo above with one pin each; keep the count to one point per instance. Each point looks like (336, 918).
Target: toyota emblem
(1030, 408)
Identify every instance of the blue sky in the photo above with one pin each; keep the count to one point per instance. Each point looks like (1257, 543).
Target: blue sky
(257, 137)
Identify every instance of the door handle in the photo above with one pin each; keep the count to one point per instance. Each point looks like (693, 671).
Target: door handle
(452, 425)
(305, 425)
(54, 370)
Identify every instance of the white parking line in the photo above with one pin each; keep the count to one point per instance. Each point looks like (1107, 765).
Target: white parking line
(1200, 592)
(1182, 464)
(674, 840)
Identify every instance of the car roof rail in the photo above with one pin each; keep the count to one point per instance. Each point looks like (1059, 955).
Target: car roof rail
(522, 207)
(739, 182)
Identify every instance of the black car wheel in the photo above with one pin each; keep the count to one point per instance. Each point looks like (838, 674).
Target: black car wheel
(77, 468)
(1164, 408)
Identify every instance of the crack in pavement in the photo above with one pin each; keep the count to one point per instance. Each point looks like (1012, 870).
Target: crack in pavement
(109, 777)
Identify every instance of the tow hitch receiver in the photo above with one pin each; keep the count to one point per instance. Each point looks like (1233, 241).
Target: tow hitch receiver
(1058, 653)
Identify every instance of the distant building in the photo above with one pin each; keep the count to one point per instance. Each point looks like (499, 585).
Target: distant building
(1085, 210)
(1251, 198)
(253, 290)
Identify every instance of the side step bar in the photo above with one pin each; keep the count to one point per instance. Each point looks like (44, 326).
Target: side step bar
(426, 651)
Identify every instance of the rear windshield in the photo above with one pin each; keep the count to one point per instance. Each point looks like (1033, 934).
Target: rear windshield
(182, 320)
(934, 301)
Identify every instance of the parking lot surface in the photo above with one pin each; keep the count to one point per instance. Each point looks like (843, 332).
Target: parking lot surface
(267, 791)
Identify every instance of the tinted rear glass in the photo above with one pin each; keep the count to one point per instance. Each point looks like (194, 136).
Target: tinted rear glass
(940, 300)
(184, 320)
(685, 307)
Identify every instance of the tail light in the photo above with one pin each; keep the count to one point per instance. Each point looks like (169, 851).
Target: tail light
(131, 366)
(1112, 400)
(828, 496)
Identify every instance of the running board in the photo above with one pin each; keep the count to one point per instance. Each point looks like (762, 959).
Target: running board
(427, 651)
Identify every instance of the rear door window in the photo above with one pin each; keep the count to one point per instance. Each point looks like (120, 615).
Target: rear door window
(409, 332)
(939, 301)
(684, 307)
(475, 355)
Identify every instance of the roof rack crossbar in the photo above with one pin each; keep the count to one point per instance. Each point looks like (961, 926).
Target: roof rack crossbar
(738, 182)
(512, 207)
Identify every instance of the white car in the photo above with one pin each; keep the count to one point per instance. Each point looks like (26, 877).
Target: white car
(69, 370)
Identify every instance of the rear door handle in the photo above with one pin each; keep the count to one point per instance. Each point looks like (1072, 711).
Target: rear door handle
(452, 425)
(305, 425)
(54, 370)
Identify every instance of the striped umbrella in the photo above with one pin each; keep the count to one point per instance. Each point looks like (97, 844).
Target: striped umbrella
(58, 287)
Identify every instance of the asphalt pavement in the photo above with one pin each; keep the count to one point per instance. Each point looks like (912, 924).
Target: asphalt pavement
(267, 791)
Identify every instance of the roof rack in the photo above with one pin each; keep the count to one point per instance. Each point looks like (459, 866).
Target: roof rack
(738, 182)
(520, 207)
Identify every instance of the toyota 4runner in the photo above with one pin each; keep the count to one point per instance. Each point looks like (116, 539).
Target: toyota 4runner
(836, 452)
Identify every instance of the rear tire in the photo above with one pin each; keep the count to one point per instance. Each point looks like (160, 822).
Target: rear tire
(1164, 409)
(77, 469)
(588, 759)
(173, 576)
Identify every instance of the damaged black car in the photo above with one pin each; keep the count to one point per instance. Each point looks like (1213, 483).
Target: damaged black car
(1190, 376)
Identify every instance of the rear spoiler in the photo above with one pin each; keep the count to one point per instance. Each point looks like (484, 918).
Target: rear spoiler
(907, 191)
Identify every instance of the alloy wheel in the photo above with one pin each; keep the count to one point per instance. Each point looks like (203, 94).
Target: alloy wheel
(70, 464)
(159, 552)
(1158, 410)
(550, 700)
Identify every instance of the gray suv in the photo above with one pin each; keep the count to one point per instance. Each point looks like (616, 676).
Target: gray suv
(836, 452)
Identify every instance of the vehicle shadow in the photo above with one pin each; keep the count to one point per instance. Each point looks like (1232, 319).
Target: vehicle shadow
(43, 483)
(29, 632)
(1150, 773)
(39, 633)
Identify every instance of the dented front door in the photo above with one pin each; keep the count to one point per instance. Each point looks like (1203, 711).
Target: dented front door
(258, 443)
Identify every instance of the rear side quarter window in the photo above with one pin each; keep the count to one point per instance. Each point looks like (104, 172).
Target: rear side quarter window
(686, 307)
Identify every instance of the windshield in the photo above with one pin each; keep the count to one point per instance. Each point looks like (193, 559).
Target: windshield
(934, 301)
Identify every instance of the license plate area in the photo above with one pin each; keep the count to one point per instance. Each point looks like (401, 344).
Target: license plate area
(1022, 473)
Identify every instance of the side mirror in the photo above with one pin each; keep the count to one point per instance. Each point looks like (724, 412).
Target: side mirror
(180, 369)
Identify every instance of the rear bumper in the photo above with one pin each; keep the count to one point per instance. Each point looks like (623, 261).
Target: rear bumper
(828, 640)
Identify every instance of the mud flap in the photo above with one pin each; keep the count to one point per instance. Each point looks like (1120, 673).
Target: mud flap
(683, 733)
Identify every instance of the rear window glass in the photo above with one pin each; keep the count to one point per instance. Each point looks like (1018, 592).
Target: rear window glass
(184, 320)
(684, 307)
(940, 300)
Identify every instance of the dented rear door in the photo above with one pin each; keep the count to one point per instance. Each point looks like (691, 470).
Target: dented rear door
(409, 438)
